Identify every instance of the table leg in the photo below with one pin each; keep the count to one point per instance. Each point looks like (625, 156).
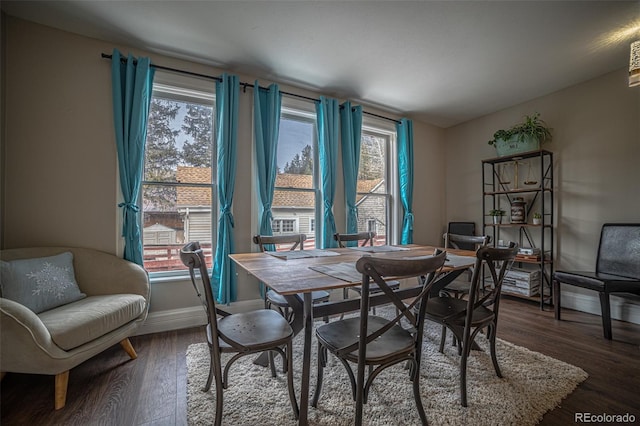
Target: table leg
(306, 360)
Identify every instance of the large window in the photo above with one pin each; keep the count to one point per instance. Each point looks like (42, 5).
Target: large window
(178, 183)
(374, 200)
(295, 199)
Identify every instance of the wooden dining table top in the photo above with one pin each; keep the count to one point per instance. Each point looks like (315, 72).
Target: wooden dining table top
(293, 276)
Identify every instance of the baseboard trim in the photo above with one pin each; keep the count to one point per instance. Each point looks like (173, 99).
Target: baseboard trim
(621, 309)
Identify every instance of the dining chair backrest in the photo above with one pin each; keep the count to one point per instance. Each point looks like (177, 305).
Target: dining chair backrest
(362, 238)
(498, 262)
(376, 269)
(463, 228)
(269, 242)
(465, 242)
(193, 258)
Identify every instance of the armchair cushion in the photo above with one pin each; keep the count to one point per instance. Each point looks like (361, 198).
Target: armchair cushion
(41, 283)
(80, 322)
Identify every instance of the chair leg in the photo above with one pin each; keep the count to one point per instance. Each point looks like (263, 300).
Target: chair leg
(463, 373)
(556, 298)
(207, 385)
(443, 338)
(606, 315)
(491, 335)
(62, 380)
(322, 362)
(416, 394)
(216, 367)
(128, 348)
(292, 392)
(272, 364)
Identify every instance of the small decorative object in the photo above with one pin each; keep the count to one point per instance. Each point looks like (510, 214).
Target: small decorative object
(503, 175)
(518, 210)
(523, 137)
(497, 215)
(530, 179)
(537, 218)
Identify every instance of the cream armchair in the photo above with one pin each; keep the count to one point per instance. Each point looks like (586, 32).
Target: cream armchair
(56, 340)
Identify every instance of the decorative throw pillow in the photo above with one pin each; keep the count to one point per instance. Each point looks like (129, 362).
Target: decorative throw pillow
(40, 283)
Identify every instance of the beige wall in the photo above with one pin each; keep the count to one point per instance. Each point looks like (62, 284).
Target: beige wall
(596, 150)
(60, 180)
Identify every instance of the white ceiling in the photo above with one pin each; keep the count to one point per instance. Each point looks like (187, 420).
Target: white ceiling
(443, 62)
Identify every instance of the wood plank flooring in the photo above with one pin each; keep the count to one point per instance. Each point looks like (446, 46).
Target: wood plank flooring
(111, 389)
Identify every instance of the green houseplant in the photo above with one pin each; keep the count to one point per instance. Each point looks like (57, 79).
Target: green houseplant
(497, 215)
(537, 218)
(522, 137)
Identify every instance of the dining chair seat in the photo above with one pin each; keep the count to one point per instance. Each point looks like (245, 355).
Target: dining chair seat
(276, 299)
(338, 334)
(443, 307)
(258, 330)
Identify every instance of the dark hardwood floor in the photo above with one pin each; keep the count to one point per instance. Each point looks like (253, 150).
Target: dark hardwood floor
(110, 389)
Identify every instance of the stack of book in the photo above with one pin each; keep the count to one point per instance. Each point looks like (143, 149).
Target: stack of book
(522, 281)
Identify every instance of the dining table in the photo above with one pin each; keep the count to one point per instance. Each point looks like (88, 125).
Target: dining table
(296, 274)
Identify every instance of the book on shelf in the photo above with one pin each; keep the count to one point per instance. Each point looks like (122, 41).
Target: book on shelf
(529, 251)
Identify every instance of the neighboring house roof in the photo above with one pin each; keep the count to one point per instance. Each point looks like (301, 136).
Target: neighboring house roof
(281, 199)
(194, 196)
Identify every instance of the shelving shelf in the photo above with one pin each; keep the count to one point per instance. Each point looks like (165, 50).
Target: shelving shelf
(499, 192)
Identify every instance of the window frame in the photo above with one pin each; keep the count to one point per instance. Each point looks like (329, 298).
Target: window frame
(295, 109)
(187, 89)
(386, 130)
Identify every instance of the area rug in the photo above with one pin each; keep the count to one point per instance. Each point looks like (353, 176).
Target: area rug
(532, 384)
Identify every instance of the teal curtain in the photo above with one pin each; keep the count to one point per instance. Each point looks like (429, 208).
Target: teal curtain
(327, 111)
(132, 84)
(223, 277)
(351, 133)
(405, 172)
(266, 122)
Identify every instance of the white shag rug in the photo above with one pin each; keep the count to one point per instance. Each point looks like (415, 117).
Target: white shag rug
(532, 384)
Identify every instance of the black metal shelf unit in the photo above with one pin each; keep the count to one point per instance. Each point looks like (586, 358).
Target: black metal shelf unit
(502, 181)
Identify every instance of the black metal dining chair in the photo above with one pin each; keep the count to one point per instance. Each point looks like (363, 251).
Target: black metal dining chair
(242, 333)
(466, 318)
(376, 342)
(273, 298)
(361, 239)
(459, 288)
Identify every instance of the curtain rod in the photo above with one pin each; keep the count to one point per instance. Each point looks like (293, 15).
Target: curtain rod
(244, 85)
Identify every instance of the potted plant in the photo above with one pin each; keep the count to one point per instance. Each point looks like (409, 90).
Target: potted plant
(522, 137)
(497, 215)
(537, 218)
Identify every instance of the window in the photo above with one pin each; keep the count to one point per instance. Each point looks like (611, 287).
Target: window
(374, 200)
(295, 198)
(284, 226)
(178, 183)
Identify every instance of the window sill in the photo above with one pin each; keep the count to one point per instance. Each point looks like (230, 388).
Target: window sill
(182, 276)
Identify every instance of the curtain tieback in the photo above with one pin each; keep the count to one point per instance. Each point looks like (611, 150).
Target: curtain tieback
(226, 214)
(409, 218)
(130, 206)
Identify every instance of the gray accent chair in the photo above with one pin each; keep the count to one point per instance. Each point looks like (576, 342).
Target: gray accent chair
(55, 341)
